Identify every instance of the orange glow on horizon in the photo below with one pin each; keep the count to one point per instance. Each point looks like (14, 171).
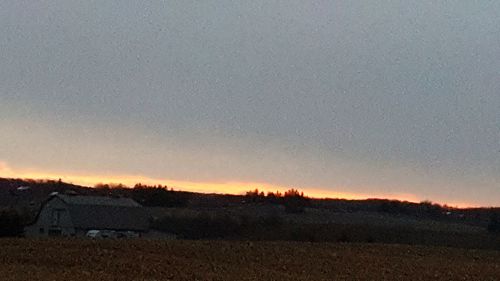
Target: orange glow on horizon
(202, 187)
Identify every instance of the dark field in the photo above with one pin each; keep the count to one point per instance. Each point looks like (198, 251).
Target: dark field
(23, 259)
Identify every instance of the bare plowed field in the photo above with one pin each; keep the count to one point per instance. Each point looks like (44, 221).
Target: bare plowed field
(23, 259)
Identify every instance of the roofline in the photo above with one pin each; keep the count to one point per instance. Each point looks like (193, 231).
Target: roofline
(51, 197)
(123, 229)
(62, 197)
(42, 206)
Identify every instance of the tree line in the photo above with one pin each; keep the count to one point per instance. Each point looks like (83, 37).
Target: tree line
(293, 200)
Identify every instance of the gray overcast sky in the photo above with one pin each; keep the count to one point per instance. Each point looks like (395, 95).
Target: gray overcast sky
(369, 97)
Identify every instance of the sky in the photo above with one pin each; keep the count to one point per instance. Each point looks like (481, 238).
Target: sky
(354, 99)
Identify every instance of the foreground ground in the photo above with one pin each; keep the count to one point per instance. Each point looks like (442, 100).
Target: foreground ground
(22, 259)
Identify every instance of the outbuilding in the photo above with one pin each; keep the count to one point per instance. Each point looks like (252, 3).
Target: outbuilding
(75, 215)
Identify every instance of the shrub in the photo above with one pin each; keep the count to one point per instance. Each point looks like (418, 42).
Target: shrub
(199, 227)
(10, 223)
(494, 224)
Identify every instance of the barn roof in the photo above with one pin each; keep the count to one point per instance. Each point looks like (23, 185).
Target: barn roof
(98, 200)
(99, 212)
(109, 217)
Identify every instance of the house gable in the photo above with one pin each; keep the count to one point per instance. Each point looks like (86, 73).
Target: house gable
(53, 219)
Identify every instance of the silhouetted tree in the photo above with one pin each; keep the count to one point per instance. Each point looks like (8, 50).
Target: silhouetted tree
(255, 195)
(293, 193)
(295, 201)
(159, 196)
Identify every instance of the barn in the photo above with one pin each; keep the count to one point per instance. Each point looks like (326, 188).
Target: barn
(75, 215)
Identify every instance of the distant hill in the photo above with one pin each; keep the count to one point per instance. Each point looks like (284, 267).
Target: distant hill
(30, 193)
(289, 216)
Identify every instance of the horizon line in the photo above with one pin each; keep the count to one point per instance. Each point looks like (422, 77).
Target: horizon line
(116, 185)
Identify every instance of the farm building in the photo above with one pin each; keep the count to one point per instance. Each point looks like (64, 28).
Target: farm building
(75, 215)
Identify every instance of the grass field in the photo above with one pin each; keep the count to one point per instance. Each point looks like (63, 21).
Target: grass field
(22, 259)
